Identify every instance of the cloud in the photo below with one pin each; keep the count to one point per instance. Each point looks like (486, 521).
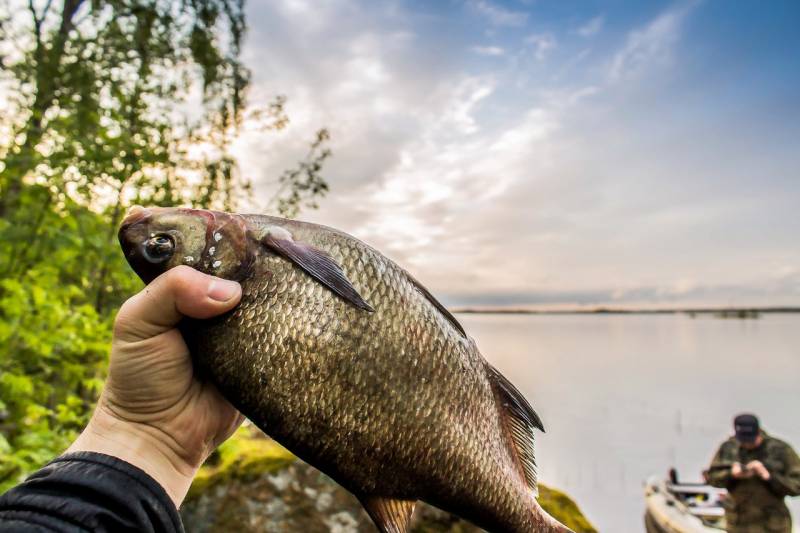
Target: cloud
(488, 50)
(498, 15)
(651, 45)
(495, 182)
(542, 44)
(453, 188)
(592, 26)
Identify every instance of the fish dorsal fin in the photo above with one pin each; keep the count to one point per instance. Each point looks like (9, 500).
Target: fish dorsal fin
(437, 304)
(520, 419)
(318, 264)
(389, 514)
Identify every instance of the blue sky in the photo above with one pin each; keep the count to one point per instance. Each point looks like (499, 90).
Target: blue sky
(551, 153)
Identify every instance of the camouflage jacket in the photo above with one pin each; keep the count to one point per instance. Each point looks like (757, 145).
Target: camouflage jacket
(754, 504)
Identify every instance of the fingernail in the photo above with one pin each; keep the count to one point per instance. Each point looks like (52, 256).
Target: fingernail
(222, 290)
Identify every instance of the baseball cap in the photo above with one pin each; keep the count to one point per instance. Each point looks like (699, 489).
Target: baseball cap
(746, 427)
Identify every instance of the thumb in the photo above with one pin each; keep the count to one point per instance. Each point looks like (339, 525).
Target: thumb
(181, 291)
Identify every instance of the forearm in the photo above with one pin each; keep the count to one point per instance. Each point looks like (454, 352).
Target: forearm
(788, 480)
(785, 485)
(720, 478)
(141, 445)
(88, 491)
(720, 472)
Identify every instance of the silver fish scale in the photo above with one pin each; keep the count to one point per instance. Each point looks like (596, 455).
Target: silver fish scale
(394, 403)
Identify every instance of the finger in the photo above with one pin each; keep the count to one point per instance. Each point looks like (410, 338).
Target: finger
(179, 292)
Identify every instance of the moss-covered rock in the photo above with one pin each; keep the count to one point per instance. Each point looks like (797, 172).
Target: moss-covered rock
(244, 457)
(253, 484)
(563, 508)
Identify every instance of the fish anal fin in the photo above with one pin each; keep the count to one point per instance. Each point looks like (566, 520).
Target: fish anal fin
(519, 419)
(437, 304)
(318, 264)
(390, 515)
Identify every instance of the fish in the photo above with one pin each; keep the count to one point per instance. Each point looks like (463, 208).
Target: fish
(344, 358)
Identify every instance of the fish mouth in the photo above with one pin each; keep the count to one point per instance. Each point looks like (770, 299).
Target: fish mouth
(135, 217)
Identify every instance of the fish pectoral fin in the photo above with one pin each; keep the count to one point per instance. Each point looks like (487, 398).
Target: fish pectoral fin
(318, 264)
(389, 514)
(519, 419)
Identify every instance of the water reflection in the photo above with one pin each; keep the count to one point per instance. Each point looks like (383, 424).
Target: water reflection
(623, 397)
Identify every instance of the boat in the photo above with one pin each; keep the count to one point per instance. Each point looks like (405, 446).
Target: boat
(676, 507)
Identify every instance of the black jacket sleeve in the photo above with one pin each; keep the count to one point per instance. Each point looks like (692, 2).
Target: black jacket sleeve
(88, 492)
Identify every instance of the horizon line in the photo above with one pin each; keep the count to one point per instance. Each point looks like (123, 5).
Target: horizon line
(723, 311)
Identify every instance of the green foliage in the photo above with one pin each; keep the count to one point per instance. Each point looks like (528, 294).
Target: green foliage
(111, 103)
(102, 123)
(54, 342)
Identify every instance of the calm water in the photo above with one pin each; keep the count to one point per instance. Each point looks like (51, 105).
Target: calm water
(624, 397)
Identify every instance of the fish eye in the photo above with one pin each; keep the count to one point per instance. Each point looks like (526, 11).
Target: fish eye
(159, 248)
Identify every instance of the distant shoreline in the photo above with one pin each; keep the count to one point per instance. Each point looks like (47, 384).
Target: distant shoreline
(720, 312)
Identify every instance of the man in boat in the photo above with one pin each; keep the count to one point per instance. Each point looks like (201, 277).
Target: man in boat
(759, 471)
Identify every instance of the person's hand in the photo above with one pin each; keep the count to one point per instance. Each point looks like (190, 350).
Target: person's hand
(153, 412)
(758, 468)
(738, 472)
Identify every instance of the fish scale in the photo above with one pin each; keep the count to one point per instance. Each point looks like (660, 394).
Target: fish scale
(342, 357)
(293, 290)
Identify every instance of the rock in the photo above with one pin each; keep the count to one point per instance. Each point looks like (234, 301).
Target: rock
(253, 484)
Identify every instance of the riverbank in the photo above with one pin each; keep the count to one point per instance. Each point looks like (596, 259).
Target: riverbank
(254, 484)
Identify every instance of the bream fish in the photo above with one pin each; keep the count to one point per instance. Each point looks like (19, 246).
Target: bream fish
(349, 362)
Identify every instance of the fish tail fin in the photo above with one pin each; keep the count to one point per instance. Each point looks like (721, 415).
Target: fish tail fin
(544, 523)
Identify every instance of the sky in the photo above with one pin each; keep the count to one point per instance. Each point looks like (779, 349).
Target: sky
(547, 153)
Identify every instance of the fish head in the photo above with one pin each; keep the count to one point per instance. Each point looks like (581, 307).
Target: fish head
(156, 239)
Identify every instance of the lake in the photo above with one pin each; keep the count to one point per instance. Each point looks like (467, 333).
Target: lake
(627, 396)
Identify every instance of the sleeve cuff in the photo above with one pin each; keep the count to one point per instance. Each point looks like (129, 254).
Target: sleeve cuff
(91, 491)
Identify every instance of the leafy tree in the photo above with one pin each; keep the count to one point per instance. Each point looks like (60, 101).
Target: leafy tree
(97, 85)
(109, 103)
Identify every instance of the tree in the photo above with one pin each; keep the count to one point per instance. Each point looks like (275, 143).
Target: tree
(98, 85)
(300, 187)
(110, 103)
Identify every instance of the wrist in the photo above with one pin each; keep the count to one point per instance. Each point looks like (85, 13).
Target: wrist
(141, 445)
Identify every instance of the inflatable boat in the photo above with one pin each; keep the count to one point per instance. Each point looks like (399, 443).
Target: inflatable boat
(674, 507)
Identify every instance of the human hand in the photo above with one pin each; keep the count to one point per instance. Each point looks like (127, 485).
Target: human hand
(758, 468)
(738, 472)
(153, 412)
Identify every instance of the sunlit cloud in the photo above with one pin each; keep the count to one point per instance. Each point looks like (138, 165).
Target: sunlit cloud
(554, 173)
